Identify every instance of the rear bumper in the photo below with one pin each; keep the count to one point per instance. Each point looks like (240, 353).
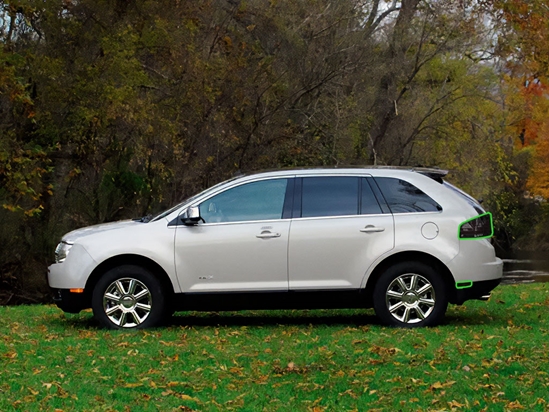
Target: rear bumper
(478, 290)
(70, 302)
(476, 262)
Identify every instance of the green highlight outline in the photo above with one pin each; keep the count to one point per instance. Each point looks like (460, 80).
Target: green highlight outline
(474, 218)
(464, 284)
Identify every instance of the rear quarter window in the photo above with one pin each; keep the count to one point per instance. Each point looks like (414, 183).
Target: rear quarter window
(468, 198)
(403, 197)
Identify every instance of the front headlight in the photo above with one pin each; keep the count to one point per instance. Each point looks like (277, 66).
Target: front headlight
(62, 251)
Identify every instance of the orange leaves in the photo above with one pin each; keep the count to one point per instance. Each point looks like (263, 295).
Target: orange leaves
(382, 351)
(538, 181)
(515, 405)
(455, 404)
(437, 385)
(525, 49)
(528, 35)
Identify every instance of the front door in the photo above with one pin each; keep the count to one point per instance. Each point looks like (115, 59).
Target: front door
(242, 245)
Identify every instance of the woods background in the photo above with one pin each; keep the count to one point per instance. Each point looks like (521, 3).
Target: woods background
(113, 109)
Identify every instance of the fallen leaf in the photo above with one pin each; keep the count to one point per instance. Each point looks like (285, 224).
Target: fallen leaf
(187, 397)
(132, 385)
(455, 404)
(436, 385)
(515, 405)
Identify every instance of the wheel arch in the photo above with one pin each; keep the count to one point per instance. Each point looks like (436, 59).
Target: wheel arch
(410, 256)
(129, 259)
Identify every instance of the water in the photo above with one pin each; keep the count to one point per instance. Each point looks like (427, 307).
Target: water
(525, 267)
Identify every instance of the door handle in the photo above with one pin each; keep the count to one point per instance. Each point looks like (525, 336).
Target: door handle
(267, 235)
(372, 229)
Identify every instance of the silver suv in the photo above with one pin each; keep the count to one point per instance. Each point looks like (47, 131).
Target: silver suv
(402, 241)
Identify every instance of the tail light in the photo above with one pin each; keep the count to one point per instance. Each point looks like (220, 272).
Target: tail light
(478, 227)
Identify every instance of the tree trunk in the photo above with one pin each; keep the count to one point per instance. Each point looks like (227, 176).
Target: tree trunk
(384, 109)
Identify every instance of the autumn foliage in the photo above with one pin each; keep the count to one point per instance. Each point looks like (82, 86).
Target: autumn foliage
(114, 109)
(525, 44)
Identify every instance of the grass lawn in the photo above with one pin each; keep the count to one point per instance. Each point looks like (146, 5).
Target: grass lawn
(488, 356)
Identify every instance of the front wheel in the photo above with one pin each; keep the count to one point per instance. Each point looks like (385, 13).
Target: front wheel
(409, 295)
(128, 297)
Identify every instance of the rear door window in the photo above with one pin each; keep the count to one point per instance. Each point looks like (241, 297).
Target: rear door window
(329, 196)
(337, 196)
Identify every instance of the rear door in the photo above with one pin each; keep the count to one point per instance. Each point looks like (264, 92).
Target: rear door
(339, 229)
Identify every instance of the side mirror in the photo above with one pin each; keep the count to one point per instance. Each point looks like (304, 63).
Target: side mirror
(191, 216)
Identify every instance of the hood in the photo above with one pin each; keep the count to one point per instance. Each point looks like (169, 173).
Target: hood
(73, 236)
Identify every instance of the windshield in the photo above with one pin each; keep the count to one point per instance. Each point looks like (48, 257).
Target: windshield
(162, 215)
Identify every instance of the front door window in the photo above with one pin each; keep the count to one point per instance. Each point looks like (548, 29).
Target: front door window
(263, 200)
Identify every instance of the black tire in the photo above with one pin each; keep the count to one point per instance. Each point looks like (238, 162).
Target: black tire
(410, 295)
(129, 297)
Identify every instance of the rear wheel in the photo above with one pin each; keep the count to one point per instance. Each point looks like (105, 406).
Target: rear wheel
(128, 297)
(409, 295)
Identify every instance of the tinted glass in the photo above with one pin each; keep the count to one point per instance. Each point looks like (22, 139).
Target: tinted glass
(329, 196)
(404, 197)
(252, 201)
(368, 204)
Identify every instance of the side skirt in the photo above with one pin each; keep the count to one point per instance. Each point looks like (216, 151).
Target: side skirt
(354, 298)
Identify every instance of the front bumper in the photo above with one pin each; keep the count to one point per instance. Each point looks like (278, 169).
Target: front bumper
(70, 302)
(74, 271)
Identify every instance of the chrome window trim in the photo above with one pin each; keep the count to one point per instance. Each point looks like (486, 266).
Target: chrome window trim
(419, 213)
(341, 216)
(240, 222)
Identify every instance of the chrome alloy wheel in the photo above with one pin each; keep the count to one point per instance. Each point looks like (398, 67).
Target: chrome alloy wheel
(410, 298)
(127, 302)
